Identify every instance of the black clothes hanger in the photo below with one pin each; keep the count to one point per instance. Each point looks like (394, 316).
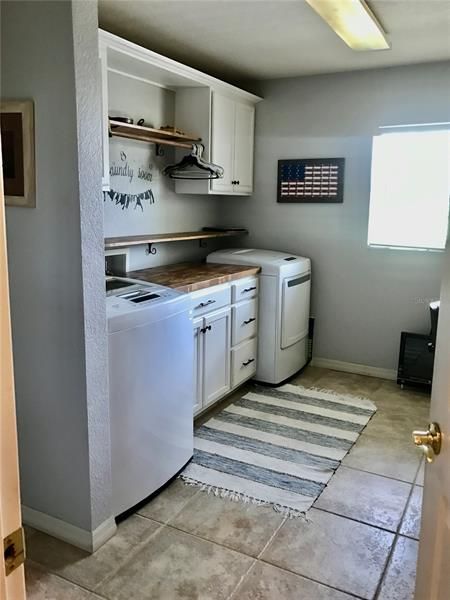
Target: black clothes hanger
(193, 166)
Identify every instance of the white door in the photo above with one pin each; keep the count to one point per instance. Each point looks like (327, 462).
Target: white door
(12, 582)
(222, 141)
(243, 148)
(295, 309)
(198, 364)
(433, 579)
(216, 355)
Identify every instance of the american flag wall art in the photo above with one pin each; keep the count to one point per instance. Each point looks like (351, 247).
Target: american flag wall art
(311, 180)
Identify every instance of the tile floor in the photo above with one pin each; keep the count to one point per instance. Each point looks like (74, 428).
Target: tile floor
(359, 539)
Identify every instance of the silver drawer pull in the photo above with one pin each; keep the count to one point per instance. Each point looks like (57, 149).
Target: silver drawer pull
(247, 362)
(203, 304)
(250, 289)
(249, 321)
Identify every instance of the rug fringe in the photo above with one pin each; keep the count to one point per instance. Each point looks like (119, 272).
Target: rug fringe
(290, 513)
(286, 511)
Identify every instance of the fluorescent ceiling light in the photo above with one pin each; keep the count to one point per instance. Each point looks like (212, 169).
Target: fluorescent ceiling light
(354, 22)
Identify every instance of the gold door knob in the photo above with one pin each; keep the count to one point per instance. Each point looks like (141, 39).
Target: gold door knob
(429, 441)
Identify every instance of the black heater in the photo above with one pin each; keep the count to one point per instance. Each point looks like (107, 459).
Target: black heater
(416, 359)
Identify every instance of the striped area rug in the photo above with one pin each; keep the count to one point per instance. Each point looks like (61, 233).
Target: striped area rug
(277, 446)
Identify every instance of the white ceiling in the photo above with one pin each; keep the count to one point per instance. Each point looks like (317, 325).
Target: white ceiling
(250, 40)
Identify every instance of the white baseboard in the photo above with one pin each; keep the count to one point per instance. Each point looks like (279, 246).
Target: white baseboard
(337, 365)
(103, 533)
(86, 540)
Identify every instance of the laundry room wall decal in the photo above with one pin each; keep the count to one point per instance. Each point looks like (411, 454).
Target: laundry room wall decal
(129, 178)
(124, 200)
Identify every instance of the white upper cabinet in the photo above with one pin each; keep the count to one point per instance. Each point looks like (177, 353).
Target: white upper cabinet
(226, 126)
(244, 128)
(222, 141)
(221, 114)
(232, 134)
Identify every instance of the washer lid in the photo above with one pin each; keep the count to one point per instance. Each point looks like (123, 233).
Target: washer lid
(271, 262)
(131, 303)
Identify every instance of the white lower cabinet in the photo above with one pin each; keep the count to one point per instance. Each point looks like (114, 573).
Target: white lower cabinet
(212, 339)
(243, 362)
(198, 363)
(245, 321)
(216, 356)
(225, 342)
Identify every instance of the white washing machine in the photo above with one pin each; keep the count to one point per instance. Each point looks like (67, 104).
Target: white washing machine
(151, 387)
(284, 300)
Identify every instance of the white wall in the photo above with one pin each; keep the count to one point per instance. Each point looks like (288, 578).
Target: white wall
(171, 212)
(56, 265)
(362, 298)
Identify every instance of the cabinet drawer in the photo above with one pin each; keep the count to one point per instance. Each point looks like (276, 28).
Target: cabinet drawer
(210, 299)
(244, 321)
(243, 290)
(243, 362)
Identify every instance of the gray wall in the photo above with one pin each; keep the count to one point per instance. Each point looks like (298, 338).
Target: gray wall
(362, 298)
(170, 212)
(56, 265)
(89, 129)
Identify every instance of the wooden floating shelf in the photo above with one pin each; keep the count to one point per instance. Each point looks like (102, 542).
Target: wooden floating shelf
(147, 134)
(157, 238)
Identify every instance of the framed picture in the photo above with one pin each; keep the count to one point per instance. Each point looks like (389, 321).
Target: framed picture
(314, 180)
(17, 134)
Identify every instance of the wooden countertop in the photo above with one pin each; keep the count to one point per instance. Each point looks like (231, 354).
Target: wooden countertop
(190, 277)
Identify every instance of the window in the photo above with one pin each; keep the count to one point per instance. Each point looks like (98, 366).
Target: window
(410, 187)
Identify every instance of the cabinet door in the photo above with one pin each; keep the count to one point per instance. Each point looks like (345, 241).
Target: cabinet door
(216, 356)
(222, 141)
(198, 364)
(243, 148)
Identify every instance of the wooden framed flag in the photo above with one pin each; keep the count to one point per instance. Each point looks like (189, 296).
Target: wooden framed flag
(313, 180)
